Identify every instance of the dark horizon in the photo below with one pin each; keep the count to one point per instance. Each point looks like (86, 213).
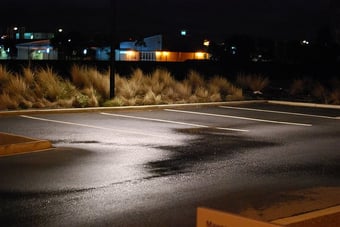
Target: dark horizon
(266, 19)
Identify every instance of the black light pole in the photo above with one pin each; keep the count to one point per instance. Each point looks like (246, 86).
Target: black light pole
(113, 44)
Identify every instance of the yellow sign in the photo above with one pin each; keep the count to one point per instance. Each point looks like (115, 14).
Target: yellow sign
(213, 218)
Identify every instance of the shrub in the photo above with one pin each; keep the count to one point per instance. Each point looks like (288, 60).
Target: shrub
(87, 77)
(7, 102)
(5, 75)
(320, 92)
(297, 87)
(195, 79)
(255, 82)
(41, 88)
(334, 97)
(50, 83)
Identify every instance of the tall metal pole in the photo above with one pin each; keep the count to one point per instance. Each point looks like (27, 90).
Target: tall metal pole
(113, 44)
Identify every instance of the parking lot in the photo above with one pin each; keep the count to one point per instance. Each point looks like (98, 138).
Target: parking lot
(107, 164)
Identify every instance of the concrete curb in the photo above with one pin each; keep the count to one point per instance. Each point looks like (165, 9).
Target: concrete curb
(97, 109)
(325, 217)
(13, 144)
(303, 104)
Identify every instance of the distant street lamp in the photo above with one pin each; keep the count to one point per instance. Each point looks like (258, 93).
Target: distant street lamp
(48, 53)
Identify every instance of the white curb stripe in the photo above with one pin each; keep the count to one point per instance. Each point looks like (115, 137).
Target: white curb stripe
(173, 122)
(279, 112)
(241, 118)
(94, 127)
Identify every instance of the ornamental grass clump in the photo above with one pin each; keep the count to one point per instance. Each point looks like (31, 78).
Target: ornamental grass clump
(44, 88)
(221, 89)
(160, 86)
(90, 79)
(50, 83)
(254, 82)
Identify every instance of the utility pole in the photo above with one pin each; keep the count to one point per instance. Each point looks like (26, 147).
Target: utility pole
(112, 47)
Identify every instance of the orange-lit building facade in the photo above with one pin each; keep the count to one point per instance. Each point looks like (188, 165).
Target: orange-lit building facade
(160, 56)
(151, 49)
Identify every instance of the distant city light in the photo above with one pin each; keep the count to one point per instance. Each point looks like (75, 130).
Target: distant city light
(60, 30)
(183, 33)
(233, 50)
(206, 43)
(85, 51)
(69, 40)
(305, 42)
(15, 28)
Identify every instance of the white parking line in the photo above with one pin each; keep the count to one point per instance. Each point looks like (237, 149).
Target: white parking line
(173, 122)
(95, 127)
(241, 118)
(279, 112)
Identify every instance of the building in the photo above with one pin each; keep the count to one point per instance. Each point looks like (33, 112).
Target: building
(36, 50)
(155, 48)
(24, 45)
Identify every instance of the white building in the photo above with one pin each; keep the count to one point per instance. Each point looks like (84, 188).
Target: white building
(151, 49)
(36, 50)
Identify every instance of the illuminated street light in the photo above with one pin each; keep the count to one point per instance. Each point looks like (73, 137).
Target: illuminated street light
(183, 33)
(305, 42)
(206, 43)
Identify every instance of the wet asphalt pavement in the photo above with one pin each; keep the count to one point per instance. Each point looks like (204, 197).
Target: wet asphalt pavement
(155, 167)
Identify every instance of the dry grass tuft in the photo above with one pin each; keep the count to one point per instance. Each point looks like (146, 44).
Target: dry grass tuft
(297, 87)
(255, 82)
(5, 75)
(195, 79)
(334, 97)
(8, 102)
(41, 88)
(50, 84)
(88, 77)
(320, 92)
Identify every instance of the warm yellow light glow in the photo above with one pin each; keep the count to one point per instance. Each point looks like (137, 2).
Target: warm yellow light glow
(131, 55)
(199, 55)
(206, 43)
(162, 55)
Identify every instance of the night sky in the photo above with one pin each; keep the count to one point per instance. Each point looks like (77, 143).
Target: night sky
(279, 19)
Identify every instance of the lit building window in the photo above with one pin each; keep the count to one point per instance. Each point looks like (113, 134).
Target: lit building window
(199, 55)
